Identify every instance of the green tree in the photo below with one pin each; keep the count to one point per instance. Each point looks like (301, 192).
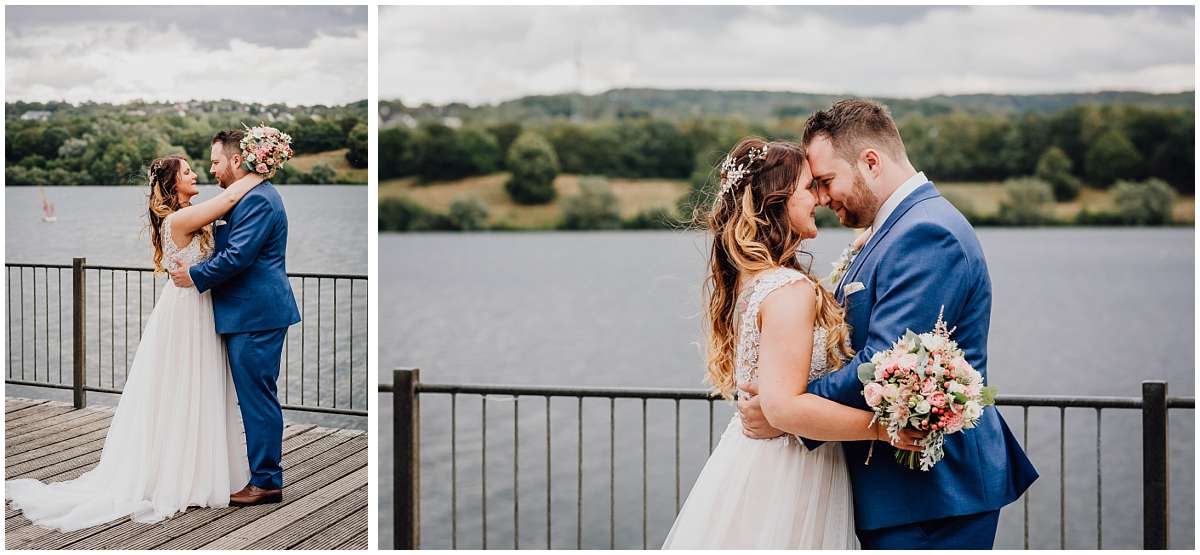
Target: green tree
(533, 165)
(1145, 203)
(1028, 203)
(1112, 157)
(323, 175)
(1054, 167)
(505, 133)
(399, 153)
(481, 149)
(468, 214)
(356, 144)
(595, 207)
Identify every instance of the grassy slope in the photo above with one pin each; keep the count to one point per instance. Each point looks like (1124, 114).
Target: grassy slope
(986, 197)
(634, 196)
(639, 194)
(335, 159)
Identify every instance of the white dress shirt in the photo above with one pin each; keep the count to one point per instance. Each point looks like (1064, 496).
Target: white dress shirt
(897, 197)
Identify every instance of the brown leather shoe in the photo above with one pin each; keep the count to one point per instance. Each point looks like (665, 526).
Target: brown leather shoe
(254, 495)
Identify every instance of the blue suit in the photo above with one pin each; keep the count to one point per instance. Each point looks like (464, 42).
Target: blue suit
(924, 257)
(253, 306)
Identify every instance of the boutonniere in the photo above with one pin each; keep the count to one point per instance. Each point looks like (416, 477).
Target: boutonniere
(842, 264)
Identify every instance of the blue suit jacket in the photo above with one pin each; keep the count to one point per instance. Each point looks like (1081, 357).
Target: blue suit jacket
(924, 257)
(247, 272)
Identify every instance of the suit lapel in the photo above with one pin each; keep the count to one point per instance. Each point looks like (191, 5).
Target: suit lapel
(926, 191)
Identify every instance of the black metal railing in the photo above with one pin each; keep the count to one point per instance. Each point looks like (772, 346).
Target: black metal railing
(77, 327)
(406, 390)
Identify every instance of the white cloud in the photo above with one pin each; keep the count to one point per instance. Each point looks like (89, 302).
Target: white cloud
(115, 61)
(488, 54)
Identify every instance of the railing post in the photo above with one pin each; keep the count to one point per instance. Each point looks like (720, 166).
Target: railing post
(78, 296)
(407, 456)
(1154, 465)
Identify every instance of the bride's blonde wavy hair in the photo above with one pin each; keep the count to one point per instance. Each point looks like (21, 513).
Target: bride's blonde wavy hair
(163, 175)
(751, 232)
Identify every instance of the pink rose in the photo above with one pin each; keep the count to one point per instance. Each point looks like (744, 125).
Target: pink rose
(938, 399)
(874, 394)
(261, 168)
(953, 422)
(928, 386)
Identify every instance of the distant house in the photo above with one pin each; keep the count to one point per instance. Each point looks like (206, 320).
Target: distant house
(452, 122)
(138, 113)
(35, 115)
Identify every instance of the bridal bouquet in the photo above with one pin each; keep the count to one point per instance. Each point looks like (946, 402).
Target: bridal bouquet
(924, 383)
(265, 150)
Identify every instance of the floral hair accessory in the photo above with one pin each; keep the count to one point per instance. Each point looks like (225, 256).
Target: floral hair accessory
(734, 172)
(265, 150)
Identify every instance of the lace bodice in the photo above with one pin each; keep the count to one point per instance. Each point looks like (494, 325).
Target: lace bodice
(746, 362)
(190, 253)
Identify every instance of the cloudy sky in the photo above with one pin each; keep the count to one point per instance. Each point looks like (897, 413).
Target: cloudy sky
(296, 55)
(488, 54)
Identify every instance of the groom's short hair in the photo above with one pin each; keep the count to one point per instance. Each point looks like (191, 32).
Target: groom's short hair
(231, 141)
(854, 125)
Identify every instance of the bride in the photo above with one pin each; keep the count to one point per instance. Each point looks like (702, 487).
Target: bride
(772, 327)
(176, 437)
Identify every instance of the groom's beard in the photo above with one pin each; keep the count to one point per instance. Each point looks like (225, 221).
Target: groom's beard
(859, 209)
(226, 179)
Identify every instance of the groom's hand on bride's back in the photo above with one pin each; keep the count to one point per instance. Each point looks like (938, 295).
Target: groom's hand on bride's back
(754, 423)
(180, 274)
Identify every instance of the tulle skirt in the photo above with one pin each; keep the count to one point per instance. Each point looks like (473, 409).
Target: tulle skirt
(772, 494)
(176, 438)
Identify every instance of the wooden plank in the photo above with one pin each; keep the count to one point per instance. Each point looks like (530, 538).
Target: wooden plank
(10, 513)
(54, 448)
(14, 419)
(291, 513)
(357, 542)
(329, 516)
(55, 433)
(335, 534)
(331, 465)
(82, 450)
(15, 404)
(295, 465)
(15, 432)
(51, 468)
(326, 469)
(129, 529)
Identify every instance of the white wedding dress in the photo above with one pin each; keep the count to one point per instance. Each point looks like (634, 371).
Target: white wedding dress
(176, 438)
(773, 494)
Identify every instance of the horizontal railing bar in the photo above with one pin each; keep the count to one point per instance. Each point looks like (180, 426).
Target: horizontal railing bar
(102, 389)
(34, 265)
(310, 275)
(640, 393)
(326, 410)
(39, 384)
(699, 394)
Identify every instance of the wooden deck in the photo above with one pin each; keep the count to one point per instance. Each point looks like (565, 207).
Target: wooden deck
(324, 498)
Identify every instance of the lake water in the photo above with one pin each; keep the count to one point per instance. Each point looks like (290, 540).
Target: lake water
(327, 233)
(1076, 312)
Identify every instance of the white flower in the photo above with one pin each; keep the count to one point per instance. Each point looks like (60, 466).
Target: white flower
(932, 342)
(249, 157)
(922, 407)
(972, 411)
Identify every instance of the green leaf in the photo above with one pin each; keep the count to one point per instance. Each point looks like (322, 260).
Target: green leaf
(988, 395)
(960, 398)
(866, 372)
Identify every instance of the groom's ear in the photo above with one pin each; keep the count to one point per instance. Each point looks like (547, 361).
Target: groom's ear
(872, 159)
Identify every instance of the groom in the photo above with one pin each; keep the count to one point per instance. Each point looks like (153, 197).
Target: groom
(921, 257)
(253, 306)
